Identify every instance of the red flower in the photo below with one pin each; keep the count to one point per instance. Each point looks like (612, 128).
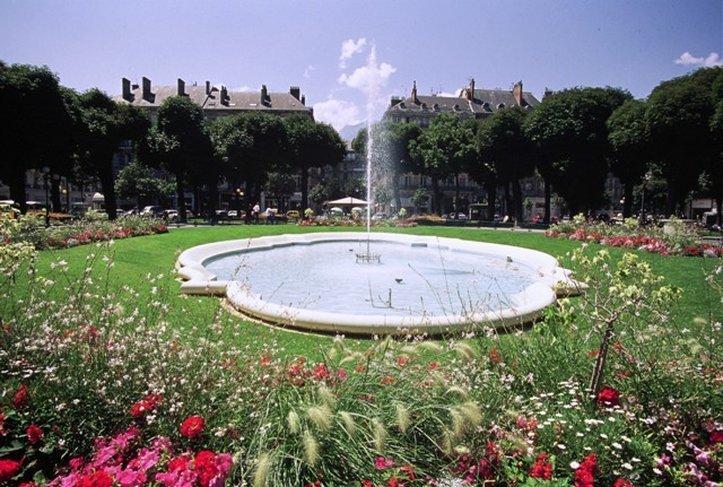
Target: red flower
(35, 434)
(716, 436)
(402, 360)
(622, 482)
(8, 469)
(96, 479)
(3, 431)
(321, 372)
(494, 356)
(192, 426)
(341, 375)
(393, 482)
(408, 470)
(178, 463)
(76, 463)
(585, 474)
(433, 365)
(542, 468)
(145, 405)
(387, 380)
(205, 467)
(367, 483)
(608, 396)
(21, 397)
(265, 361)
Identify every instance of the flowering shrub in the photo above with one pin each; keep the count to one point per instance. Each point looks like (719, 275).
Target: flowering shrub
(32, 231)
(99, 389)
(678, 240)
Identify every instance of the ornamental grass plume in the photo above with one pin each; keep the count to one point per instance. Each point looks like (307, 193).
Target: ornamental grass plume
(348, 420)
(402, 417)
(311, 448)
(320, 416)
(464, 351)
(327, 396)
(379, 433)
(292, 420)
(261, 473)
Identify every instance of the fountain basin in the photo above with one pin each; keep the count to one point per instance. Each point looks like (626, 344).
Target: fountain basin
(422, 284)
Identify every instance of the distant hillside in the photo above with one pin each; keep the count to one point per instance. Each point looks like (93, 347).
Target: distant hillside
(349, 132)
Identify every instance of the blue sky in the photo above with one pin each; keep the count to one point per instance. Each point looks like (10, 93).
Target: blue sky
(558, 44)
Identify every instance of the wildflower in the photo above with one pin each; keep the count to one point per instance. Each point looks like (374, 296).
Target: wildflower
(34, 433)
(21, 397)
(542, 468)
(608, 396)
(192, 427)
(8, 469)
(402, 360)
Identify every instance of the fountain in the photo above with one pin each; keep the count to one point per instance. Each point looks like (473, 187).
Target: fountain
(424, 285)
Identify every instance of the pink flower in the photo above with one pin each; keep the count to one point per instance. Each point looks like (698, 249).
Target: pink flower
(382, 463)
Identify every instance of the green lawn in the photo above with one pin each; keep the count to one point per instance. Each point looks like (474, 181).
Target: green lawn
(138, 257)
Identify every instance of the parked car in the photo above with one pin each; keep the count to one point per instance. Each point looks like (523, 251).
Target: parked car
(170, 215)
(221, 214)
(152, 211)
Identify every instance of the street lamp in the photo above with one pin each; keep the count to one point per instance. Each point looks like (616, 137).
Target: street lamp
(46, 172)
(646, 179)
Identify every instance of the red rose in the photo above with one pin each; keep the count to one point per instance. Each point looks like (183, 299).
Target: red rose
(35, 434)
(96, 479)
(21, 397)
(585, 474)
(608, 396)
(178, 463)
(8, 469)
(542, 468)
(192, 426)
(205, 467)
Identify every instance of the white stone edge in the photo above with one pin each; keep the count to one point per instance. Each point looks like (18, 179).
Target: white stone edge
(554, 281)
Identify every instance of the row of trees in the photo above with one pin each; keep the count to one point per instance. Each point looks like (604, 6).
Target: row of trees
(75, 135)
(573, 140)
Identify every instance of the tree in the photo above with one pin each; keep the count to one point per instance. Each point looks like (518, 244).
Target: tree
(398, 137)
(715, 166)
(105, 124)
(310, 145)
(36, 126)
(420, 198)
(678, 118)
(570, 134)
(180, 144)
(630, 143)
(506, 153)
(280, 185)
(139, 182)
(445, 148)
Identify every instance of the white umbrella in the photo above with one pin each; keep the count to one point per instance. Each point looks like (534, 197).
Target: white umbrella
(347, 201)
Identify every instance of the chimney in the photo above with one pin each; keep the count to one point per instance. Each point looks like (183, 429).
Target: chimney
(394, 101)
(517, 94)
(264, 95)
(295, 92)
(181, 91)
(470, 90)
(224, 96)
(303, 100)
(208, 88)
(147, 95)
(127, 89)
(415, 100)
(548, 92)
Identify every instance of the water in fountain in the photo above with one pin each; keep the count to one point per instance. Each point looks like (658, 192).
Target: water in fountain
(372, 93)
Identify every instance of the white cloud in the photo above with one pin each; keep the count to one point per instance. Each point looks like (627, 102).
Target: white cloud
(307, 71)
(687, 59)
(350, 47)
(338, 113)
(370, 77)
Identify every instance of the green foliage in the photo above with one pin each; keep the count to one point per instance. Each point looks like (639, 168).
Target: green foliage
(140, 182)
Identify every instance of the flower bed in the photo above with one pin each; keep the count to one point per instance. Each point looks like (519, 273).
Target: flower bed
(32, 230)
(680, 240)
(98, 389)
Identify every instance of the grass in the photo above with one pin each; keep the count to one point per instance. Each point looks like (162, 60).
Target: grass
(136, 258)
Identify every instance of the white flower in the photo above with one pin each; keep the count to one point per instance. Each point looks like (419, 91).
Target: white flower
(574, 465)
